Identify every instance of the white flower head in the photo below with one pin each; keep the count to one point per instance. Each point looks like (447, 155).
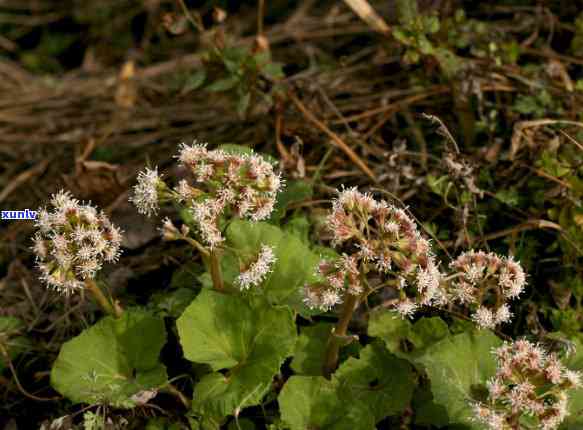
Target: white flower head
(406, 308)
(206, 214)
(502, 315)
(145, 196)
(484, 318)
(72, 243)
(191, 155)
(258, 270)
(317, 298)
(527, 382)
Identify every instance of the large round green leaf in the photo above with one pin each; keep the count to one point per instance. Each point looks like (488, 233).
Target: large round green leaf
(312, 402)
(295, 263)
(379, 380)
(247, 337)
(458, 368)
(112, 361)
(402, 337)
(362, 392)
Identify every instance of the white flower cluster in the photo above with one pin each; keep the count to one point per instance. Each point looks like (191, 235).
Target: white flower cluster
(384, 240)
(246, 185)
(342, 276)
(257, 271)
(72, 242)
(528, 381)
(145, 196)
(482, 278)
(222, 183)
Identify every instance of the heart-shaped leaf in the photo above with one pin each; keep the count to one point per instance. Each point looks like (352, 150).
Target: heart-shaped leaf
(112, 361)
(248, 338)
(293, 268)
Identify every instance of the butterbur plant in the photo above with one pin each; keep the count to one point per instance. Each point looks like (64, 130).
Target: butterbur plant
(220, 186)
(528, 383)
(376, 321)
(71, 245)
(379, 239)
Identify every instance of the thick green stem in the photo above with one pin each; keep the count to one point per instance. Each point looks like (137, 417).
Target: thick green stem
(108, 306)
(337, 336)
(216, 274)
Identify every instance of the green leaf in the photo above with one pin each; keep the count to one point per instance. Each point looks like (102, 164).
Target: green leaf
(439, 185)
(309, 353)
(508, 196)
(295, 261)
(403, 338)
(407, 11)
(175, 302)
(427, 412)
(458, 368)
(430, 330)
(248, 337)
(10, 326)
(299, 226)
(375, 385)
(294, 191)
(273, 70)
(112, 361)
(396, 332)
(243, 104)
(379, 380)
(10, 329)
(234, 57)
(185, 276)
(194, 81)
(223, 84)
(312, 402)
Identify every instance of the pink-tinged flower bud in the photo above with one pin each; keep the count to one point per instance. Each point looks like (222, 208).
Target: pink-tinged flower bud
(169, 231)
(406, 308)
(484, 318)
(491, 279)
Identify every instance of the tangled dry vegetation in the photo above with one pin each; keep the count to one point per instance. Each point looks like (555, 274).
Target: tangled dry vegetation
(470, 115)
